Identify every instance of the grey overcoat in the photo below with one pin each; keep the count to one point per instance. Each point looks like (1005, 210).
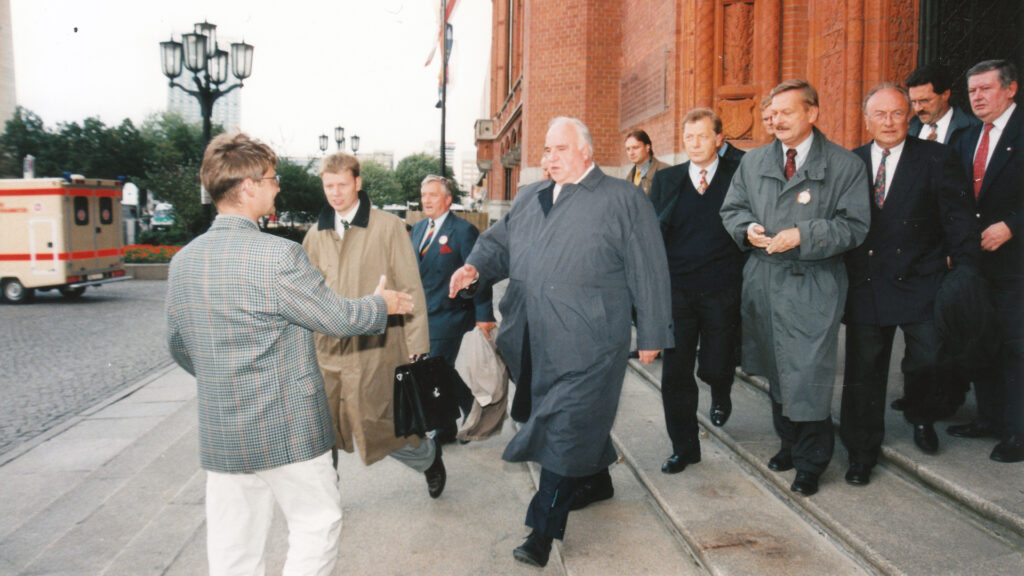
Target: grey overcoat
(573, 277)
(793, 302)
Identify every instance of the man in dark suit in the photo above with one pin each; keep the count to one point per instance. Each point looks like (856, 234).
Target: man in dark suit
(729, 152)
(706, 271)
(242, 307)
(993, 158)
(934, 119)
(920, 215)
(640, 152)
(442, 241)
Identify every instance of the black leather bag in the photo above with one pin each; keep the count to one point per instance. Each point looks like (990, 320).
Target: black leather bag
(424, 396)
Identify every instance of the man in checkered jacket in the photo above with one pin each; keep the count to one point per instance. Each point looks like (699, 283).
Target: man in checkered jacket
(242, 307)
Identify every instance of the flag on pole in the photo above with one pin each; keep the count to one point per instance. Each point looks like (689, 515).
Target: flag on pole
(449, 8)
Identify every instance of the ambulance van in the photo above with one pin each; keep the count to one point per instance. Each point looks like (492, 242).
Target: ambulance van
(59, 233)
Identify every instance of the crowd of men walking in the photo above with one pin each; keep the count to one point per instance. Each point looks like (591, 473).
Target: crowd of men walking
(729, 258)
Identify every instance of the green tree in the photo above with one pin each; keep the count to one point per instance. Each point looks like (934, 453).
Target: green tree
(411, 171)
(380, 183)
(25, 134)
(302, 194)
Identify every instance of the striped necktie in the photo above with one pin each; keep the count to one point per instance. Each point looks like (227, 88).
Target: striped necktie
(426, 241)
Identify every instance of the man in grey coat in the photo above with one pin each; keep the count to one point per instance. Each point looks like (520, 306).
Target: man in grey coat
(579, 250)
(242, 307)
(797, 204)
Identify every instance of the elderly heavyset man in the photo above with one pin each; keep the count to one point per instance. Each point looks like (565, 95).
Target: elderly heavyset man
(706, 271)
(579, 251)
(993, 157)
(241, 309)
(895, 275)
(351, 244)
(797, 204)
(442, 241)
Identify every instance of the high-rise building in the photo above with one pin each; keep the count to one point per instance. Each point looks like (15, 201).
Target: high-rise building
(7, 95)
(227, 110)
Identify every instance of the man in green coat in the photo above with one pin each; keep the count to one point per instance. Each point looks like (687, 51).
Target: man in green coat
(797, 204)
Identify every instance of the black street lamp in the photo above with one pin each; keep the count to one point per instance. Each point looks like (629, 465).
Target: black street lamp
(209, 67)
(323, 144)
(355, 144)
(339, 137)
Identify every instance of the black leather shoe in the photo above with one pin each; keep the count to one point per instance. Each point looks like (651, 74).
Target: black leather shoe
(436, 475)
(595, 490)
(1009, 450)
(805, 483)
(721, 408)
(676, 463)
(534, 551)
(899, 404)
(972, 430)
(781, 462)
(925, 438)
(858, 474)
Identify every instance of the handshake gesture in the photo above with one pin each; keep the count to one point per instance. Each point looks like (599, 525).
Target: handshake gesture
(398, 302)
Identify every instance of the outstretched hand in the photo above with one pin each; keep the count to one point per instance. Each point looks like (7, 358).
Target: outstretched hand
(461, 279)
(398, 302)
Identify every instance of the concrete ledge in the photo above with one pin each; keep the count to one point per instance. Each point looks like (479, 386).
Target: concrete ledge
(147, 271)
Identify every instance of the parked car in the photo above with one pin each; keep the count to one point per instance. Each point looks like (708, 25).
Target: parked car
(163, 217)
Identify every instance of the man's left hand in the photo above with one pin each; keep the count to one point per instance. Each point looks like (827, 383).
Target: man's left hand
(784, 241)
(647, 356)
(486, 328)
(995, 236)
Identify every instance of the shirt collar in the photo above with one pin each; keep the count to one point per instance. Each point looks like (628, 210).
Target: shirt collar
(347, 217)
(709, 173)
(802, 150)
(1000, 122)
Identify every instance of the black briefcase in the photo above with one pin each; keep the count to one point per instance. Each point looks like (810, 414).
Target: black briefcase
(424, 396)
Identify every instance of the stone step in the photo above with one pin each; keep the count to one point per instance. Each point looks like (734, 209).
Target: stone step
(736, 523)
(904, 522)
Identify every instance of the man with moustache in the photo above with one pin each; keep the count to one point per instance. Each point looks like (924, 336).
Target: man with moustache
(579, 250)
(895, 275)
(706, 270)
(641, 154)
(797, 204)
(934, 119)
(993, 157)
(442, 241)
(351, 244)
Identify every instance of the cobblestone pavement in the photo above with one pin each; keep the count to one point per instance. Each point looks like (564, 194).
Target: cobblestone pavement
(59, 357)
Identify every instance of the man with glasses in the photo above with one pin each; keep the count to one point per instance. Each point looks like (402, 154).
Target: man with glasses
(920, 216)
(241, 309)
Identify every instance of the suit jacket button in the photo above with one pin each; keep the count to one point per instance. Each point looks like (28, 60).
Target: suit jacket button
(871, 252)
(898, 251)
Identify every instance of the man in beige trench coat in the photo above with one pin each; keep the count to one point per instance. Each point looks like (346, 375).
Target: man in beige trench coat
(353, 245)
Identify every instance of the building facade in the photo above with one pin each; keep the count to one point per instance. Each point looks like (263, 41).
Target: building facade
(227, 110)
(620, 65)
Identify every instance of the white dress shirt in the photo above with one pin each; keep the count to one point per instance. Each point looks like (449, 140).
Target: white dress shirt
(997, 130)
(890, 164)
(709, 173)
(347, 217)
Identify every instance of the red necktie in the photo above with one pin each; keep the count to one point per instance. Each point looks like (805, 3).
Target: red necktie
(980, 159)
(790, 163)
(703, 186)
(935, 132)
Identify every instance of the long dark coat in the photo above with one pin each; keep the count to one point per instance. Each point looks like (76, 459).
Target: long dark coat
(574, 275)
(793, 301)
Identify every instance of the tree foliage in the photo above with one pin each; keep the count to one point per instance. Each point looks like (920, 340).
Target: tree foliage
(302, 194)
(380, 184)
(411, 171)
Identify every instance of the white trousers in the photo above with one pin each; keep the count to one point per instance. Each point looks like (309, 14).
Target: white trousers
(240, 507)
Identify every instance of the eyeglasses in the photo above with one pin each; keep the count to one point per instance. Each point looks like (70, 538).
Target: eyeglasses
(275, 178)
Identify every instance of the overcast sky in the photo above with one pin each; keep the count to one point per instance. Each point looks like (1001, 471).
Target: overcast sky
(316, 64)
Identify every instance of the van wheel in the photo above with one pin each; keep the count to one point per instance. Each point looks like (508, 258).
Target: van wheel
(72, 293)
(15, 293)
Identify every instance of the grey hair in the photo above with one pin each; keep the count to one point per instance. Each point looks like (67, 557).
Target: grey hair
(885, 86)
(581, 130)
(1007, 71)
(445, 183)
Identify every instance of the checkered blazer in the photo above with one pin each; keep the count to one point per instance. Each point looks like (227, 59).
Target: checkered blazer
(241, 309)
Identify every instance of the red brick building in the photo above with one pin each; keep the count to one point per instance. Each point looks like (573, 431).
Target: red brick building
(619, 65)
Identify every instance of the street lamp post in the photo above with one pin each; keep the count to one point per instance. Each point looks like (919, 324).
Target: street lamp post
(339, 137)
(209, 67)
(355, 144)
(323, 144)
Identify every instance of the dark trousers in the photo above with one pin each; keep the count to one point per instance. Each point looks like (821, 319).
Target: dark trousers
(809, 443)
(999, 389)
(868, 349)
(712, 319)
(448, 349)
(549, 510)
